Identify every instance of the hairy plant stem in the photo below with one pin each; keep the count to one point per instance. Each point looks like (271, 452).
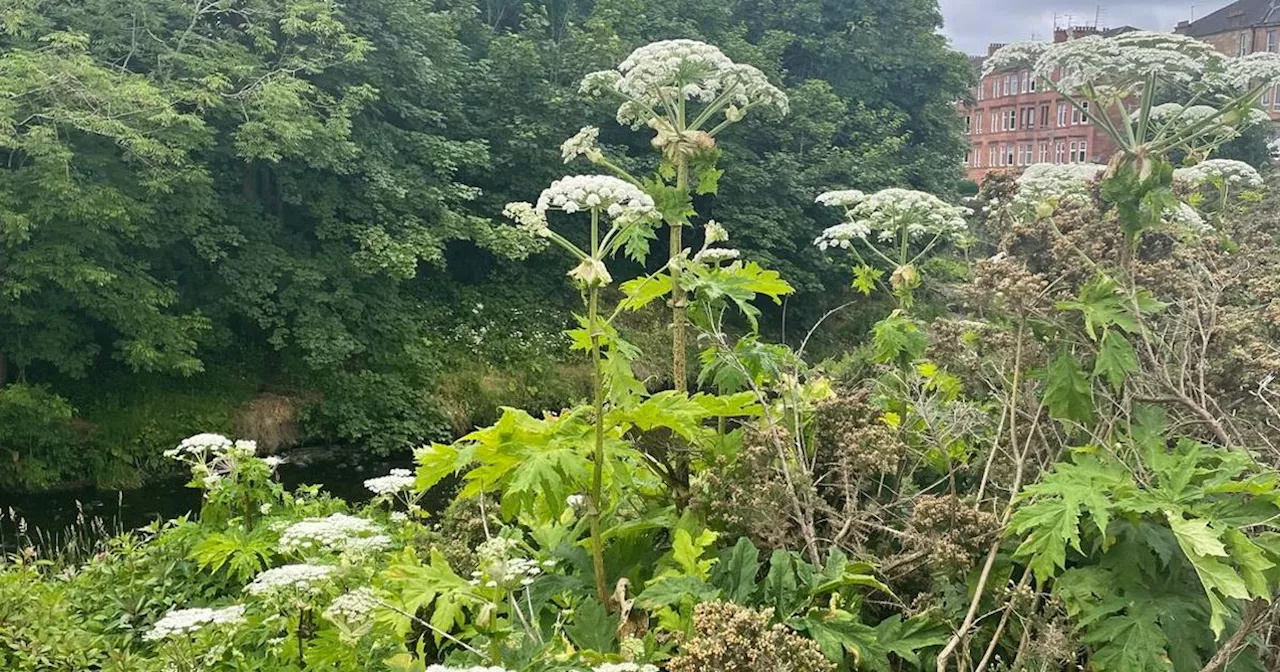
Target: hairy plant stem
(1249, 622)
(597, 392)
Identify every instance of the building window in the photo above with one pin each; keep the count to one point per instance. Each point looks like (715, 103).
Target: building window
(1044, 116)
(1008, 153)
(991, 155)
(1033, 83)
(1026, 82)
(1243, 46)
(1060, 153)
(1072, 152)
(981, 116)
(1084, 116)
(968, 124)
(1273, 41)
(1266, 97)
(1084, 152)
(1275, 100)
(982, 89)
(1062, 115)
(1044, 152)
(1012, 119)
(1031, 153)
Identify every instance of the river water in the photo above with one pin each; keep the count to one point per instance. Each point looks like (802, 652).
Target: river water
(341, 473)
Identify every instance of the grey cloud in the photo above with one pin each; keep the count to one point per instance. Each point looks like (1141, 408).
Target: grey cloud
(973, 24)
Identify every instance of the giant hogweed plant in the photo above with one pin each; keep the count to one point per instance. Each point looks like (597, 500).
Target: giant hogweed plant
(1104, 77)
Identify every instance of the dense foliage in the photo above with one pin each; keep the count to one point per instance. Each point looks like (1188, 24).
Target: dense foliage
(1067, 462)
(302, 195)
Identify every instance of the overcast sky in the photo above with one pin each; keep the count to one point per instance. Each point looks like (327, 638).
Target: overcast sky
(972, 24)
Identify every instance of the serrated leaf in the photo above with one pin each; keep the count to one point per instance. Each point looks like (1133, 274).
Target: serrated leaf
(593, 627)
(688, 552)
(1117, 359)
(1068, 393)
(865, 278)
(672, 590)
(1202, 547)
(640, 292)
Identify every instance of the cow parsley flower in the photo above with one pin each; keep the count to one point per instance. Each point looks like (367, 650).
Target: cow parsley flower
(289, 577)
(619, 199)
(585, 143)
(501, 565)
(179, 622)
(894, 212)
(398, 480)
(657, 75)
(1228, 172)
(337, 533)
(1186, 217)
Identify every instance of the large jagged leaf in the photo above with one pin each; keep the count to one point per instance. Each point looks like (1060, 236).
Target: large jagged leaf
(1129, 642)
(673, 590)
(688, 553)
(641, 292)
(593, 627)
(1117, 360)
(1068, 393)
(1204, 548)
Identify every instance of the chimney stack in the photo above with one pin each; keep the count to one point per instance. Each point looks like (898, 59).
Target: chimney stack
(993, 47)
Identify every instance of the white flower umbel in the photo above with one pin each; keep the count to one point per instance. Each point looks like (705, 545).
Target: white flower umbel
(716, 233)
(1120, 73)
(1048, 185)
(200, 444)
(714, 256)
(585, 143)
(181, 622)
(1225, 172)
(660, 79)
(846, 198)
(336, 533)
(353, 608)
(619, 199)
(624, 667)
(1186, 217)
(303, 577)
(890, 213)
(399, 480)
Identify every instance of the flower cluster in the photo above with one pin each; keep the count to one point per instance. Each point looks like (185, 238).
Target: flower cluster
(399, 480)
(289, 577)
(624, 667)
(500, 567)
(713, 256)
(200, 444)
(891, 213)
(352, 608)
(846, 198)
(619, 199)
(339, 532)
(1051, 184)
(1228, 172)
(585, 143)
(186, 621)
(657, 75)
(1258, 70)
(212, 456)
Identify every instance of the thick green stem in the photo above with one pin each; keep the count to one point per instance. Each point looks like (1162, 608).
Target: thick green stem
(597, 392)
(679, 363)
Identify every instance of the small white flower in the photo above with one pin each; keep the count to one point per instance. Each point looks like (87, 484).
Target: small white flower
(273, 461)
(887, 213)
(353, 608)
(1235, 173)
(337, 533)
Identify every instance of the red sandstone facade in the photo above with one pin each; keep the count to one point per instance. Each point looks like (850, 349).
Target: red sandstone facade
(1012, 123)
